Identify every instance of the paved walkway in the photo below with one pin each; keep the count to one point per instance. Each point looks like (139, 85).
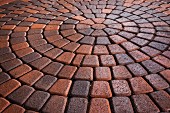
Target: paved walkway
(85, 56)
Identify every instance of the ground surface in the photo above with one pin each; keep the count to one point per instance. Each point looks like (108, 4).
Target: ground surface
(94, 56)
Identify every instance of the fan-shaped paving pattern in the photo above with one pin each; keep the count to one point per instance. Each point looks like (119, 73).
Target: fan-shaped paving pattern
(85, 56)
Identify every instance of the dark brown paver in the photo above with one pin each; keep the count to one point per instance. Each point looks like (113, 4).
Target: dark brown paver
(56, 104)
(77, 105)
(122, 104)
(80, 88)
(144, 104)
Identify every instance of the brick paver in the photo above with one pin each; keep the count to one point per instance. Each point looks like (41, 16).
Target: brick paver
(90, 56)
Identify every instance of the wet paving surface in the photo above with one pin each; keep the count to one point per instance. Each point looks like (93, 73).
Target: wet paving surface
(85, 56)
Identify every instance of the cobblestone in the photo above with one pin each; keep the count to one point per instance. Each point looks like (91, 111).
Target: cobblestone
(89, 56)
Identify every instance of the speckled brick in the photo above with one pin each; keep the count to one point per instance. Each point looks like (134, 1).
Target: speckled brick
(31, 57)
(6, 57)
(99, 105)
(4, 77)
(144, 104)
(78, 59)
(11, 64)
(37, 100)
(124, 59)
(137, 69)
(80, 88)
(102, 73)
(157, 81)
(101, 89)
(122, 105)
(40, 63)
(20, 70)
(21, 94)
(14, 109)
(162, 60)
(162, 99)
(61, 87)
(121, 72)
(10, 86)
(66, 57)
(166, 74)
(3, 104)
(31, 77)
(56, 104)
(84, 73)
(107, 60)
(45, 82)
(91, 60)
(139, 85)
(67, 72)
(120, 88)
(152, 66)
(53, 68)
(77, 105)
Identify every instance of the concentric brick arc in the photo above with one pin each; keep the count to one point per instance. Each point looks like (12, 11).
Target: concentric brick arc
(90, 56)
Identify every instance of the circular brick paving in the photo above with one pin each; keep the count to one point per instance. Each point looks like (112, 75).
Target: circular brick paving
(89, 56)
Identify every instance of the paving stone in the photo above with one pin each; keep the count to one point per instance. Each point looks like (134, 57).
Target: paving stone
(10, 86)
(6, 57)
(121, 72)
(152, 66)
(61, 87)
(139, 85)
(129, 46)
(166, 74)
(14, 108)
(139, 56)
(99, 105)
(53, 68)
(77, 105)
(67, 72)
(45, 82)
(84, 49)
(20, 70)
(77, 60)
(66, 57)
(56, 104)
(150, 51)
(157, 81)
(40, 63)
(122, 104)
(31, 77)
(162, 99)
(101, 89)
(53, 53)
(100, 37)
(120, 88)
(124, 59)
(80, 88)
(107, 60)
(102, 73)
(100, 50)
(11, 64)
(20, 95)
(4, 104)
(4, 77)
(84, 73)
(91, 60)
(137, 69)
(162, 60)
(143, 103)
(37, 100)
